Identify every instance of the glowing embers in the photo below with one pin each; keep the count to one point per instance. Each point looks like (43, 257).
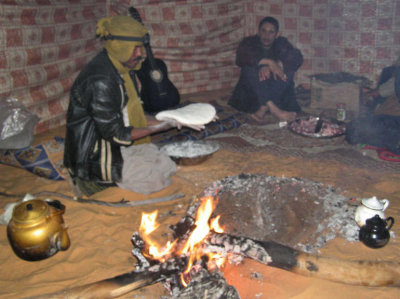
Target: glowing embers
(191, 246)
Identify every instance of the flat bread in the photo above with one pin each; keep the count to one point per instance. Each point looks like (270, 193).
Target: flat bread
(192, 114)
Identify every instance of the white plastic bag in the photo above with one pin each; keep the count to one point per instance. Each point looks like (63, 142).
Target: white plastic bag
(16, 124)
(9, 209)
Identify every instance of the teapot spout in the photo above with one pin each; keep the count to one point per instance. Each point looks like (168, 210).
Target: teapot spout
(63, 241)
(385, 204)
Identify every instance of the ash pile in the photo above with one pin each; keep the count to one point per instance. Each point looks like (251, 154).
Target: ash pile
(295, 212)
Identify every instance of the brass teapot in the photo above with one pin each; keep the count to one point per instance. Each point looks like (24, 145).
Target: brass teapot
(36, 230)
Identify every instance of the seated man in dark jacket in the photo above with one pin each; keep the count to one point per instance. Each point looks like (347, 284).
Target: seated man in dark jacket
(382, 127)
(268, 63)
(105, 117)
(386, 84)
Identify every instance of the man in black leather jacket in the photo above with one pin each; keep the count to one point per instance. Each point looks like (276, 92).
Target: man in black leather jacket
(105, 112)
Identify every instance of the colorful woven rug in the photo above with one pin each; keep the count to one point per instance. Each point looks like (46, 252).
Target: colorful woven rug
(283, 143)
(44, 160)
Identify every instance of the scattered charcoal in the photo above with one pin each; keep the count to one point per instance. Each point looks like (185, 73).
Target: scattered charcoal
(183, 228)
(256, 275)
(206, 285)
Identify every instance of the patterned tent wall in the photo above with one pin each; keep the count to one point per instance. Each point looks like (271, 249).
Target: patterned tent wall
(43, 46)
(196, 39)
(44, 43)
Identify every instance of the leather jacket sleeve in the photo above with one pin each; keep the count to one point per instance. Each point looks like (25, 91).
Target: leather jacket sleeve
(105, 108)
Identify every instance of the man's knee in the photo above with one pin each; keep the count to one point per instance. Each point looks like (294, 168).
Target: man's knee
(249, 73)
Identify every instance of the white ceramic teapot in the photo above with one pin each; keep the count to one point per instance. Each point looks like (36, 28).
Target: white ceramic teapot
(369, 208)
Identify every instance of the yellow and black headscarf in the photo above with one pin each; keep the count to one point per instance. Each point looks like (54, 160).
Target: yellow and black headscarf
(122, 34)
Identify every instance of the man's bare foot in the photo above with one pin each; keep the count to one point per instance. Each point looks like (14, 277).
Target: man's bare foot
(260, 121)
(286, 115)
(256, 117)
(282, 115)
(259, 115)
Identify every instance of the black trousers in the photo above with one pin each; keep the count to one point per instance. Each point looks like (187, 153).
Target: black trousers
(250, 93)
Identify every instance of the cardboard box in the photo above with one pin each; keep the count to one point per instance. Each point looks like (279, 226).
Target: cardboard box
(325, 95)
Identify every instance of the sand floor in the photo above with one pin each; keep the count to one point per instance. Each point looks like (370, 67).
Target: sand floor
(100, 236)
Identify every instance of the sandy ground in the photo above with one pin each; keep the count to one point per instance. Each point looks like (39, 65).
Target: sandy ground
(100, 236)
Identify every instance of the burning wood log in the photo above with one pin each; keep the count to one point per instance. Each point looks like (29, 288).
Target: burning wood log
(365, 273)
(202, 283)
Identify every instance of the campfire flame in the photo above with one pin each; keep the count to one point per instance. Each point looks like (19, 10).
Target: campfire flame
(192, 246)
(148, 224)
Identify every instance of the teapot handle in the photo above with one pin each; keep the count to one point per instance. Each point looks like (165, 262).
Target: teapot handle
(391, 222)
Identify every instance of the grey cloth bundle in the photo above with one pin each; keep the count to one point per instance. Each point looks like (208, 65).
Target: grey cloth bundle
(146, 169)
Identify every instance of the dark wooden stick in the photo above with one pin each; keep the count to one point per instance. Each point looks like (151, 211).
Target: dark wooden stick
(121, 284)
(122, 203)
(365, 273)
(108, 288)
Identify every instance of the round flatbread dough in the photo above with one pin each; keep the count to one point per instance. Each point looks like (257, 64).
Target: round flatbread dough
(192, 114)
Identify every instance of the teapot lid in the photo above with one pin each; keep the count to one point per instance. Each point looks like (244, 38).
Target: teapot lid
(372, 203)
(30, 211)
